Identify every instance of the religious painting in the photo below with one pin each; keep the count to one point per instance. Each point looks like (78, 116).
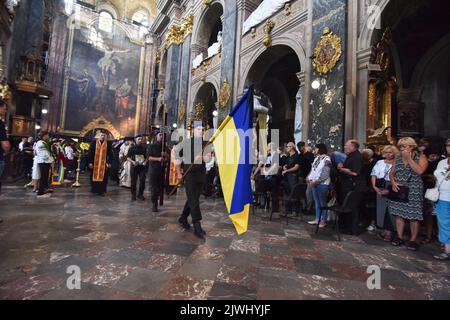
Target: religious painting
(103, 78)
(410, 118)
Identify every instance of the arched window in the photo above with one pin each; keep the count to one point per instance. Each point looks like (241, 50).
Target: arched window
(95, 38)
(105, 22)
(141, 17)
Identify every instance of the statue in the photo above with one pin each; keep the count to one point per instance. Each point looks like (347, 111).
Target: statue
(299, 116)
(216, 47)
(197, 62)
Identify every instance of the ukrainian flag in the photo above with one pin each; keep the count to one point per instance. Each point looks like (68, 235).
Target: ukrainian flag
(232, 147)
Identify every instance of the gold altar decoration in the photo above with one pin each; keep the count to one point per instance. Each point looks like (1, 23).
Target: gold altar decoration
(5, 91)
(225, 94)
(327, 52)
(372, 105)
(380, 138)
(177, 34)
(181, 111)
(382, 51)
(199, 111)
(268, 27)
(158, 57)
(207, 2)
(100, 123)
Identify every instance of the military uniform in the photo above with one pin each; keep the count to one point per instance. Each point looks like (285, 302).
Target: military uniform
(194, 182)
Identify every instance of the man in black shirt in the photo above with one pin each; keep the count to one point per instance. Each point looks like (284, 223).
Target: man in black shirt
(351, 178)
(137, 155)
(306, 158)
(4, 143)
(156, 157)
(194, 180)
(290, 172)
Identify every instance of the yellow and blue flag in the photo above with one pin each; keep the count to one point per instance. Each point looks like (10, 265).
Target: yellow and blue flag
(232, 147)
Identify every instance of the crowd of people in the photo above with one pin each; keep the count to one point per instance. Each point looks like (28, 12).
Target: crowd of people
(403, 184)
(407, 183)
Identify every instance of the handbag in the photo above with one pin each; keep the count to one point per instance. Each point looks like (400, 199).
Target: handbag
(381, 183)
(433, 193)
(402, 194)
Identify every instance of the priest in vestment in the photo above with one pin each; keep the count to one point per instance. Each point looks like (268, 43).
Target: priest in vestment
(100, 156)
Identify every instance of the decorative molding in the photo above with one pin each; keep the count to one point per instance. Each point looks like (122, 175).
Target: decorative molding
(177, 34)
(268, 27)
(100, 123)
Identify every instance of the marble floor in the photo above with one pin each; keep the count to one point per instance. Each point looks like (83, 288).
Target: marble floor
(126, 252)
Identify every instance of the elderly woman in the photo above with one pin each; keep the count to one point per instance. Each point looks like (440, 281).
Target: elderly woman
(442, 175)
(380, 182)
(407, 171)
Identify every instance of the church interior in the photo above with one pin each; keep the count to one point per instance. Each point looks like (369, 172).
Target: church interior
(320, 72)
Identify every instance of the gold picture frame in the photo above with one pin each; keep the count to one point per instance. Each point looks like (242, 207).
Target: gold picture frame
(327, 52)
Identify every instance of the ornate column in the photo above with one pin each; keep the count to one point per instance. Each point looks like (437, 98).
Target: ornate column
(327, 108)
(228, 51)
(172, 86)
(299, 118)
(360, 116)
(57, 54)
(184, 81)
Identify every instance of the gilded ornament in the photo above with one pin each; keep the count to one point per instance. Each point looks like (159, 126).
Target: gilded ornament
(177, 34)
(327, 52)
(181, 111)
(225, 94)
(268, 27)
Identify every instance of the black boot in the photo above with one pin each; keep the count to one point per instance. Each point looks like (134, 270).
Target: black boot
(184, 222)
(155, 207)
(198, 231)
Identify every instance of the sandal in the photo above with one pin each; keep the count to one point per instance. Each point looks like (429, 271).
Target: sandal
(442, 257)
(397, 242)
(413, 246)
(427, 241)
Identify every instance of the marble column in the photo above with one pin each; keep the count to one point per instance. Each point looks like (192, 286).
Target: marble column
(57, 54)
(299, 118)
(185, 75)
(147, 89)
(328, 102)
(228, 51)
(172, 85)
(18, 39)
(363, 57)
(35, 27)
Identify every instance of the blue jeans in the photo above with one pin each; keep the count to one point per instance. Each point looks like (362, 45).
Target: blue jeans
(320, 194)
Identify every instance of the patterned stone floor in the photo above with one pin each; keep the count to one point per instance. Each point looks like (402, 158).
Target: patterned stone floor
(126, 252)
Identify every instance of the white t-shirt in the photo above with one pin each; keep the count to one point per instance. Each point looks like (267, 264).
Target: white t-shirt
(320, 162)
(440, 173)
(381, 170)
(21, 146)
(42, 154)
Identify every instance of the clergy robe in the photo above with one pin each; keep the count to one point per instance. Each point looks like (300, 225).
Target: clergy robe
(100, 155)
